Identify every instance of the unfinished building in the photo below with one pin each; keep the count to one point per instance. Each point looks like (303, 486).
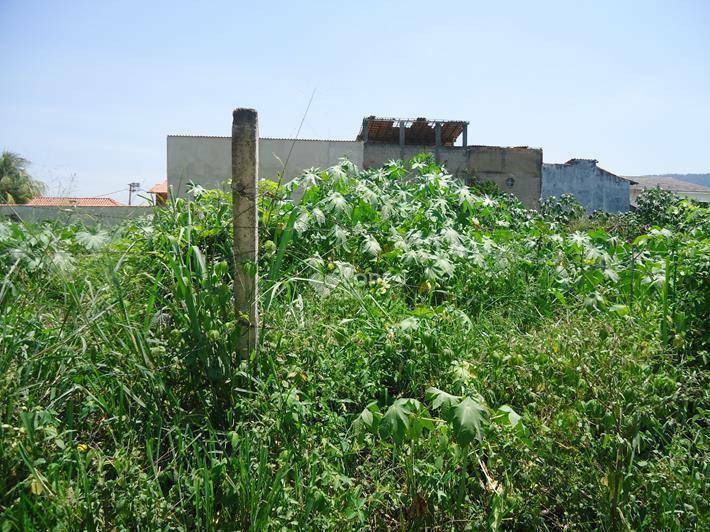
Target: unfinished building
(516, 170)
(206, 160)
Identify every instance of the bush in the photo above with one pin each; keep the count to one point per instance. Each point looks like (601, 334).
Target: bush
(563, 210)
(655, 207)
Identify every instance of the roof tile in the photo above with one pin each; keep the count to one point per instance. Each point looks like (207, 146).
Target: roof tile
(48, 201)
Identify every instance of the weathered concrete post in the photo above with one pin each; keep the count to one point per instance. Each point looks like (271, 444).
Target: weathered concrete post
(245, 160)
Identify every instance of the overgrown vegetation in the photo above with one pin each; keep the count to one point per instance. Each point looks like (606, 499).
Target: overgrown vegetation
(432, 356)
(16, 184)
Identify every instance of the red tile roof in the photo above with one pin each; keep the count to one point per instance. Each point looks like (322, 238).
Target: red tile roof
(160, 188)
(47, 201)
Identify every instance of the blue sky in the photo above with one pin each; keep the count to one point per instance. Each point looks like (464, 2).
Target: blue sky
(91, 89)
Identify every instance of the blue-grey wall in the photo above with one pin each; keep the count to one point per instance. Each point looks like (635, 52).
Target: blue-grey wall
(594, 187)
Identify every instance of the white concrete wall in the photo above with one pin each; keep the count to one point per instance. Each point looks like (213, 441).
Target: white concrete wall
(207, 161)
(203, 160)
(105, 216)
(594, 187)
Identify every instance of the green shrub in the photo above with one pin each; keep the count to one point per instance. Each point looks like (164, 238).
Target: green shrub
(654, 207)
(563, 210)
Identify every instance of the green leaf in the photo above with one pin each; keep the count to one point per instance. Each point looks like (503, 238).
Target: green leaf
(302, 222)
(640, 240)
(452, 236)
(341, 237)
(275, 270)
(200, 263)
(621, 310)
(318, 216)
(92, 241)
(371, 246)
(443, 266)
(409, 324)
(507, 415)
(367, 420)
(396, 421)
(468, 419)
(337, 203)
(441, 400)
(62, 261)
(420, 420)
(611, 275)
(461, 371)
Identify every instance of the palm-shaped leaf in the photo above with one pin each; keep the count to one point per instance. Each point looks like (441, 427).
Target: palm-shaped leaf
(441, 400)
(336, 202)
(395, 422)
(468, 419)
(92, 241)
(371, 246)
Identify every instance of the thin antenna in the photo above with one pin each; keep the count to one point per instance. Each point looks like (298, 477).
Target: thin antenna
(298, 132)
(132, 187)
(290, 151)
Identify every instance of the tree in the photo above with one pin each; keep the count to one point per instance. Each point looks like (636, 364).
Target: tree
(16, 184)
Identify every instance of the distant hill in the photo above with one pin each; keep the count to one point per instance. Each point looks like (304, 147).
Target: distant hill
(696, 189)
(698, 179)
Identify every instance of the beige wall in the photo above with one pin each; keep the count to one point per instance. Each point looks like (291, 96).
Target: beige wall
(375, 155)
(208, 160)
(306, 154)
(488, 163)
(203, 160)
(522, 165)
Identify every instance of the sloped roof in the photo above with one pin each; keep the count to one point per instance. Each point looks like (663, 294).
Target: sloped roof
(48, 201)
(160, 188)
(667, 183)
(590, 163)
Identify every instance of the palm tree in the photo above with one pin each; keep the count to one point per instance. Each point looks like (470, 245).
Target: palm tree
(16, 184)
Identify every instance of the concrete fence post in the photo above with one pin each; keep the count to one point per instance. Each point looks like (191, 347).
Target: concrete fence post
(245, 213)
